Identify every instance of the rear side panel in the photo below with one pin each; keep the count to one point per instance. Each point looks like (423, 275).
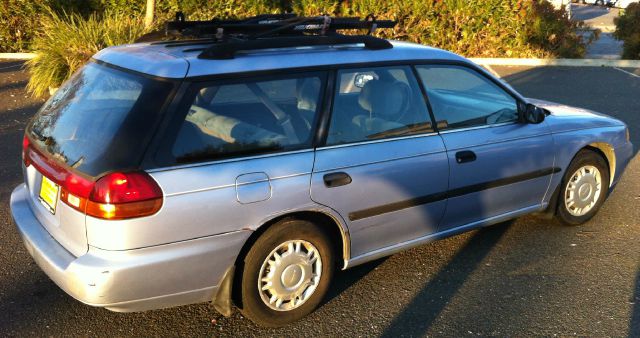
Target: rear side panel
(211, 199)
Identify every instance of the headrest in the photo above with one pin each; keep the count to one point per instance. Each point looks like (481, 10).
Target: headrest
(307, 91)
(384, 98)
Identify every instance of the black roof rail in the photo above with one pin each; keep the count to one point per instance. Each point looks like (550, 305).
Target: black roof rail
(226, 37)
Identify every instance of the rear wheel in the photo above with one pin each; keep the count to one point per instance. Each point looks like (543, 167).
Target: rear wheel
(286, 273)
(584, 188)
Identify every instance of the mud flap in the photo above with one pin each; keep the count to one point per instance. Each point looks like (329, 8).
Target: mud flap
(222, 300)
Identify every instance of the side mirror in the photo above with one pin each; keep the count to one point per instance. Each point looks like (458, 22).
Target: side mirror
(534, 115)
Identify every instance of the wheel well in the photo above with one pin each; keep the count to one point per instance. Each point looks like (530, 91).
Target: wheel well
(338, 238)
(608, 154)
(329, 224)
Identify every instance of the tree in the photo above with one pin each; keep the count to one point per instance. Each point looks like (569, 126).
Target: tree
(148, 18)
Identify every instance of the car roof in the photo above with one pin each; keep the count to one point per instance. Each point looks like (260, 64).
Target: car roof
(160, 60)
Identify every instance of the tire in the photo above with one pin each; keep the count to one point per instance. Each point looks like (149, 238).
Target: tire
(292, 267)
(580, 202)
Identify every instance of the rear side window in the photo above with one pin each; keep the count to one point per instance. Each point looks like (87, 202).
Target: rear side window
(250, 117)
(460, 97)
(99, 120)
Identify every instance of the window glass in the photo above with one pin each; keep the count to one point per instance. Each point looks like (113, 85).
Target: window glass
(460, 97)
(377, 103)
(248, 118)
(98, 119)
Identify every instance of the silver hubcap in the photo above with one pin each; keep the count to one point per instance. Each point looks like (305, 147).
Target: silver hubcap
(289, 275)
(583, 190)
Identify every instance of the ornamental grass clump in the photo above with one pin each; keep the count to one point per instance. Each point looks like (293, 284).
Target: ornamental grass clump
(67, 41)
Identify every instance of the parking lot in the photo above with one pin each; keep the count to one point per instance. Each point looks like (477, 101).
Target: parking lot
(529, 277)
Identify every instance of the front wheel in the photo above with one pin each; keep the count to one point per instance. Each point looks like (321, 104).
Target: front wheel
(286, 273)
(584, 188)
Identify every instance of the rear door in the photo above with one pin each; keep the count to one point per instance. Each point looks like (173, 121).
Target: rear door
(382, 168)
(498, 165)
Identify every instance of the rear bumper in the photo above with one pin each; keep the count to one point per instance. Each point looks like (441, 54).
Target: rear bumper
(131, 280)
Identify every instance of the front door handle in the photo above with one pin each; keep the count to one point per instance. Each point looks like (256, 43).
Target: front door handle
(465, 156)
(336, 179)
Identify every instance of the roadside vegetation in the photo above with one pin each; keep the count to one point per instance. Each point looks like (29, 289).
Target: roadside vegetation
(65, 33)
(628, 30)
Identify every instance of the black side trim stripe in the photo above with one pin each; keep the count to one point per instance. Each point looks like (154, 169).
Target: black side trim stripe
(414, 202)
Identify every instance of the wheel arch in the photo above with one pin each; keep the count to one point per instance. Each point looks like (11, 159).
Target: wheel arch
(337, 231)
(608, 153)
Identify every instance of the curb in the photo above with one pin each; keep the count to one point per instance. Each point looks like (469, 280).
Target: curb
(480, 61)
(557, 62)
(17, 56)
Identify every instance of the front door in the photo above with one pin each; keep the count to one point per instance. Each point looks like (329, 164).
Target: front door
(382, 168)
(498, 166)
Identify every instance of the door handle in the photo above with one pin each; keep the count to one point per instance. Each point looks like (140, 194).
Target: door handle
(465, 156)
(336, 179)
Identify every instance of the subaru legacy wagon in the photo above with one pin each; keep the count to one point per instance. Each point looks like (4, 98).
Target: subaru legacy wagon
(246, 164)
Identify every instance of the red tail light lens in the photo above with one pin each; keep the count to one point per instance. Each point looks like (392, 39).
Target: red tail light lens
(25, 147)
(113, 196)
(124, 195)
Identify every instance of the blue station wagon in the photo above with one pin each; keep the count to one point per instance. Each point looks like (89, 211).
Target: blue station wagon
(245, 165)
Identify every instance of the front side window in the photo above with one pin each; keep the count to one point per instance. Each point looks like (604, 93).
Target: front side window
(377, 103)
(249, 117)
(461, 98)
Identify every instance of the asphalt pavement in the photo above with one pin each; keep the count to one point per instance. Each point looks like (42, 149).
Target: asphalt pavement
(529, 277)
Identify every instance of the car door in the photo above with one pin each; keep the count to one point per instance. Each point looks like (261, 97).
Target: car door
(498, 165)
(382, 167)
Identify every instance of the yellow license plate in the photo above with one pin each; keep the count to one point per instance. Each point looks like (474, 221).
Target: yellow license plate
(49, 194)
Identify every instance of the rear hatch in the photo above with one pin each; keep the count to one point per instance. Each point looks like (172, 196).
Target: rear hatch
(99, 121)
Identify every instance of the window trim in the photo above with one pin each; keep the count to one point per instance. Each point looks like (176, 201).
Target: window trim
(161, 155)
(150, 161)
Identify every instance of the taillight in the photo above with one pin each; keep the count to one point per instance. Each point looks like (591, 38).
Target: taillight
(113, 196)
(124, 195)
(25, 147)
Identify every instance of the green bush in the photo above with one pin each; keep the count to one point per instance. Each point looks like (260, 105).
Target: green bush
(488, 28)
(628, 30)
(67, 41)
(17, 24)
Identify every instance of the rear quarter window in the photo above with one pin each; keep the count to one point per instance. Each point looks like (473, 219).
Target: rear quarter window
(241, 118)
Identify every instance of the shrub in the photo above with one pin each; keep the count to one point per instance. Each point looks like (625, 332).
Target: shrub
(489, 28)
(17, 24)
(67, 41)
(628, 30)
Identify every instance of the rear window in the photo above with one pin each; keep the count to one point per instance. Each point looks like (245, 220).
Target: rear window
(100, 119)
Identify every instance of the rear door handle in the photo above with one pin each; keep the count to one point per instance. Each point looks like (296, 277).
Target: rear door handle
(333, 180)
(465, 156)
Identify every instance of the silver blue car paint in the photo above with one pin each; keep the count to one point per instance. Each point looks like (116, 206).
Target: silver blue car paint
(181, 254)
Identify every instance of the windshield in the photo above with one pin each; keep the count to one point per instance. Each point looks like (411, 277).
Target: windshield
(100, 119)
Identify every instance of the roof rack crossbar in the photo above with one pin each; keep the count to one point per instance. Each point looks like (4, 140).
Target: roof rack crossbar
(227, 50)
(270, 24)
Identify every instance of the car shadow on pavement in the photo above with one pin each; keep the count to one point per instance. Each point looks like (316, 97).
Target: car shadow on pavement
(634, 326)
(345, 279)
(418, 316)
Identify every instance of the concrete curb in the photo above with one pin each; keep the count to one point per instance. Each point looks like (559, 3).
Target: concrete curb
(557, 62)
(17, 56)
(480, 61)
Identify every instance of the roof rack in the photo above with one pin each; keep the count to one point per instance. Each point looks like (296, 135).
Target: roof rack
(221, 39)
